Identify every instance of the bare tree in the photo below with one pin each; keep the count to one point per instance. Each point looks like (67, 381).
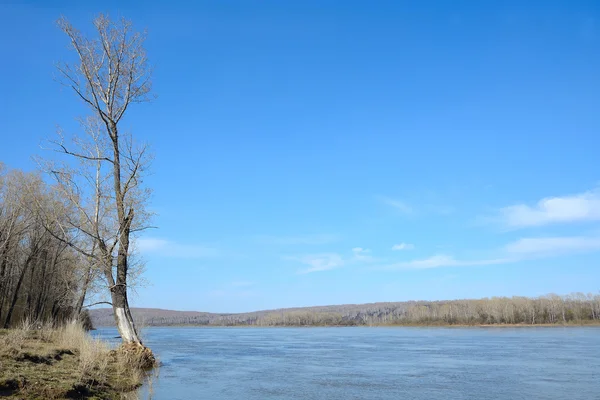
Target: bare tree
(497, 310)
(110, 72)
(38, 272)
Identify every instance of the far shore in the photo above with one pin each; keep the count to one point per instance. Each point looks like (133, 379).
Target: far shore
(590, 324)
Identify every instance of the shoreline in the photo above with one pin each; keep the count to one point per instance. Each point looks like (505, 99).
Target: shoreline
(462, 326)
(66, 362)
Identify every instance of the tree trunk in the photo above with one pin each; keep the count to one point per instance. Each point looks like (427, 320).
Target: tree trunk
(122, 313)
(86, 284)
(120, 302)
(11, 308)
(29, 302)
(46, 284)
(3, 277)
(42, 293)
(55, 309)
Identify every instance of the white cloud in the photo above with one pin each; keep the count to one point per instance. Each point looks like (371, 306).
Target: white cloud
(320, 262)
(424, 206)
(167, 248)
(314, 239)
(551, 246)
(579, 207)
(442, 260)
(397, 204)
(361, 254)
(431, 262)
(150, 244)
(523, 249)
(403, 246)
(329, 261)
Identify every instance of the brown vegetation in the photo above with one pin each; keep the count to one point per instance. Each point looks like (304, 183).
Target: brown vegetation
(62, 241)
(577, 308)
(66, 362)
(41, 277)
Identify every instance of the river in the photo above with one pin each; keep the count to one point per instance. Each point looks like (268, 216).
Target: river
(374, 363)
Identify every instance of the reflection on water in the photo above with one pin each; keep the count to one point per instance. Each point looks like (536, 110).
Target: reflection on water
(375, 363)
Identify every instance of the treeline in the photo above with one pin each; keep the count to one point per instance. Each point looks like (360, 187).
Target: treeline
(549, 309)
(41, 277)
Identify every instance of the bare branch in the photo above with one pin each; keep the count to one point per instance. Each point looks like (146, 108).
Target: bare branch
(110, 73)
(95, 304)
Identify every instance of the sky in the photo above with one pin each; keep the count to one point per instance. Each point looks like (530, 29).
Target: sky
(328, 152)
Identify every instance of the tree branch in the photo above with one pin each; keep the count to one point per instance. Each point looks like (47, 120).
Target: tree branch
(95, 304)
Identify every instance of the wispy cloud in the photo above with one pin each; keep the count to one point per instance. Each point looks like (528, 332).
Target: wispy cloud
(441, 260)
(553, 246)
(523, 249)
(329, 261)
(403, 246)
(424, 206)
(168, 248)
(150, 244)
(399, 205)
(360, 254)
(551, 210)
(360, 250)
(313, 239)
(320, 262)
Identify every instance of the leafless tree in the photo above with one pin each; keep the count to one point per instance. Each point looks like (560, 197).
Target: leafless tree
(578, 308)
(38, 272)
(103, 177)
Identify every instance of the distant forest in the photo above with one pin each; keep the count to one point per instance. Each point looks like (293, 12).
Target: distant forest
(550, 309)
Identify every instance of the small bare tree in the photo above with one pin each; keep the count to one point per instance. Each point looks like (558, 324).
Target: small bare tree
(110, 73)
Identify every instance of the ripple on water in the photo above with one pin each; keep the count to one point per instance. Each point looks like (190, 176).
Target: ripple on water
(382, 364)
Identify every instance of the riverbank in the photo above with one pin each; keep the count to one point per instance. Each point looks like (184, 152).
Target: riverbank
(575, 308)
(65, 363)
(570, 324)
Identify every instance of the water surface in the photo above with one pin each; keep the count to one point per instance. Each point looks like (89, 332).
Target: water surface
(375, 363)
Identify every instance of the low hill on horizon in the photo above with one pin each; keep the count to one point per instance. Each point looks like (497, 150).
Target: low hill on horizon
(161, 316)
(549, 309)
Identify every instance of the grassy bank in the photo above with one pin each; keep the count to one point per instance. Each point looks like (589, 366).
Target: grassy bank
(65, 363)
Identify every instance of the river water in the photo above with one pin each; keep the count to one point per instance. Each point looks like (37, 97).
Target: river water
(374, 363)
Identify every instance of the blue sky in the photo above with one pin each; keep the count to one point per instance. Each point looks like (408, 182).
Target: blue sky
(323, 152)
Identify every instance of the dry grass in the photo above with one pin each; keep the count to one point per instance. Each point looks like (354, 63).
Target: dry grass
(12, 341)
(54, 363)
